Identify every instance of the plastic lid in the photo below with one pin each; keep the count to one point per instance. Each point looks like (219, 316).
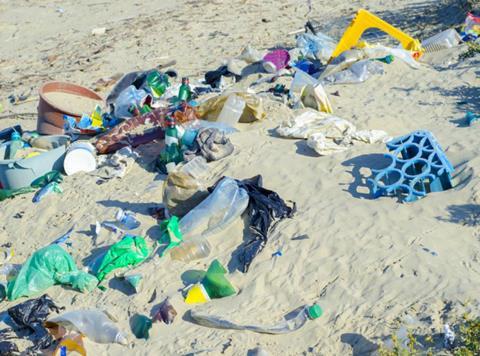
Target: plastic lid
(314, 311)
(79, 160)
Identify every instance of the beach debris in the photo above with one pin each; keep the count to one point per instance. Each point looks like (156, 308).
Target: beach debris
(471, 28)
(31, 315)
(46, 267)
(134, 280)
(471, 118)
(417, 166)
(62, 239)
(49, 188)
(126, 220)
(265, 209)
(296, 320)
(210, 143)
(448, 337)
(128, 252)
(166, 312)
(214, 285)
(92, 323)
(99, 31)
(141, 325)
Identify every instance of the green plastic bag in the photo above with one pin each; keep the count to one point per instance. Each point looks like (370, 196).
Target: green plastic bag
(171, 233)
(130, 251)
(10, 193)
(46, 267)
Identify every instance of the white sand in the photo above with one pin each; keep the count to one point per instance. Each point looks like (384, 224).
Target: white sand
(364, 260)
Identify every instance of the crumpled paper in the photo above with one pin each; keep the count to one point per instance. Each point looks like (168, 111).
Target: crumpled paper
(328, 134)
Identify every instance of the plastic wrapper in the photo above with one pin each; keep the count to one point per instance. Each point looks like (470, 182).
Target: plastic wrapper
(31, 315)
(210, 109)
(166, 312)
(46, 267)
(328, 134)
(131, 96)
(226, 203)
(319, 46)
(357, 73)
(92, 323)
(471, 28)
(128, 252)
(265, 210)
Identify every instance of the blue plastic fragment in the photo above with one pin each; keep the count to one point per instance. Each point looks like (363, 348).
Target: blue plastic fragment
(470, 117)
(417, 166)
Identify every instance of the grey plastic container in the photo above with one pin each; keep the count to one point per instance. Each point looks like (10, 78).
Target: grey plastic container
(15, 174)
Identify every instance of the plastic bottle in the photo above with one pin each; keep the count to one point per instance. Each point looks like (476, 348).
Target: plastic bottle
(37, 141)
(92, 323)
(226, 203)
(191, 250)
(16, 144)
(232, 110)
(185, 93)
(285, 326)
(172, 154)
(126, 220)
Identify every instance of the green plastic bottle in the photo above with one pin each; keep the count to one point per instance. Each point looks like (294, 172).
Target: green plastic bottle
(172, 155)
(185, 93)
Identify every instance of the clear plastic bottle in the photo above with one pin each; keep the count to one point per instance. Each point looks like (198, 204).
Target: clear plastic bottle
(232, 110)
(303, 315)
(37, 141)
(126, 220)
(92, 323)
(191, 250)
(15, 145)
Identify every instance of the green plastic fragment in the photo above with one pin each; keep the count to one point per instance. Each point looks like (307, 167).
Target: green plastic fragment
(128, 252)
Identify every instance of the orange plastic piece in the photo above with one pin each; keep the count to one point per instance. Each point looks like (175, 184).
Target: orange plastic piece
(365, 20)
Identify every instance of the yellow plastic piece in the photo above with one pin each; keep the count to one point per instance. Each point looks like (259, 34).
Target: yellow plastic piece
(365, 20)
(71, 346)
(197, 295)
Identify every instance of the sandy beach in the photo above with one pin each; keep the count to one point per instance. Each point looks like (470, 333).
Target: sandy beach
(373, 265)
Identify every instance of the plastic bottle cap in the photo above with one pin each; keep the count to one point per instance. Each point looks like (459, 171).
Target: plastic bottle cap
(314, 311)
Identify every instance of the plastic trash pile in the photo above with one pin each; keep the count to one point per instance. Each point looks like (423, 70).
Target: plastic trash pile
(193, 120)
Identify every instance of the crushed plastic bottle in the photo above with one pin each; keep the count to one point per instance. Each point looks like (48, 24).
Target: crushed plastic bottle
(126, 220)
(285, 326)
(92, 323)
(227, 202)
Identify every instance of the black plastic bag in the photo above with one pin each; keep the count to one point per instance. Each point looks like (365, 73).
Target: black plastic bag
(265, 209)
(31, 315)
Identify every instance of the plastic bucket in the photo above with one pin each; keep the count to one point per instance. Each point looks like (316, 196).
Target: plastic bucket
(50, 114)
(16, 174)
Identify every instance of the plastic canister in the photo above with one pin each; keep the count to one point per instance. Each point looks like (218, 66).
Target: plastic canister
(80, 157)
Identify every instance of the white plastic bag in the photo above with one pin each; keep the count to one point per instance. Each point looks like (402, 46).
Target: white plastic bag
(319, 46)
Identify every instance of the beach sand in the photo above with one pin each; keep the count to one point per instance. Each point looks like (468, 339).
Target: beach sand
(368, 263)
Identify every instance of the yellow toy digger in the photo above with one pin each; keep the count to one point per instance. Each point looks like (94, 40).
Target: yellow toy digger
(365, 20)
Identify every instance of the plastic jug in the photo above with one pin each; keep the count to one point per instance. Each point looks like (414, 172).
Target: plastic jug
(232, 110)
